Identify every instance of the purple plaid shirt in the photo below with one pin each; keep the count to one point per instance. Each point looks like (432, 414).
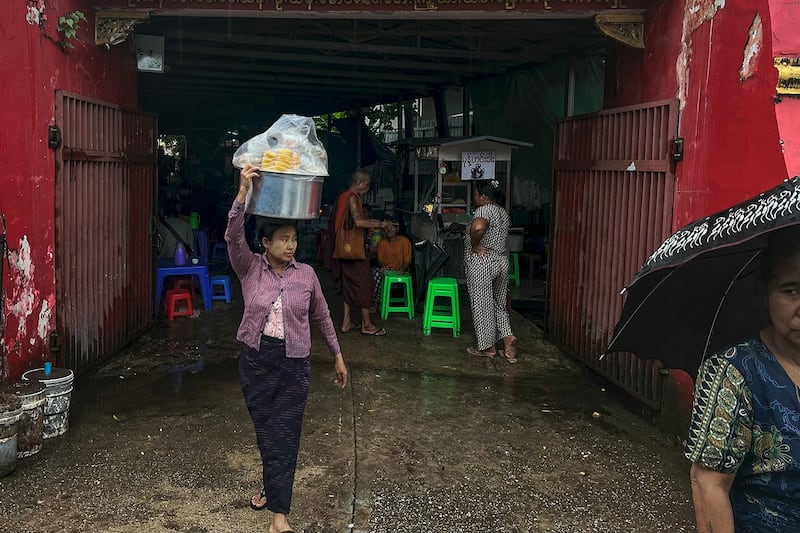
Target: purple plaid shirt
(303, 301)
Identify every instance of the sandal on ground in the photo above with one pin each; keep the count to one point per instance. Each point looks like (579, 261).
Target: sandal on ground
(262, 496)
(352, 327)
(380, 332)
(480, 353)
(509, 357)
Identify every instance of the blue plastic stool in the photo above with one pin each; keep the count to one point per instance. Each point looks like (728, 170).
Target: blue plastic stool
(220, 252)
(225, 283)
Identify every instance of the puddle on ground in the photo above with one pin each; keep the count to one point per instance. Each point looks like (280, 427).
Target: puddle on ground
(163, 388)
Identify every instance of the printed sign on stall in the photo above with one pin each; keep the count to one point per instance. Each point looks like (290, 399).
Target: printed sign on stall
(477, 165)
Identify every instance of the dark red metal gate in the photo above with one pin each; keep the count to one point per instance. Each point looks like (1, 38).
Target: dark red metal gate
(105, 201)
(613, 195)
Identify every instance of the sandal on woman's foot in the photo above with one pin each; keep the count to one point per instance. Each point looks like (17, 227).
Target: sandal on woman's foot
(262, 496)
(480, 353)
(509, 357)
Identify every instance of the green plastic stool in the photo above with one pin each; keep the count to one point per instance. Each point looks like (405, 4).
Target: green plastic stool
(513, 268)
(442, 316)
(402, 304)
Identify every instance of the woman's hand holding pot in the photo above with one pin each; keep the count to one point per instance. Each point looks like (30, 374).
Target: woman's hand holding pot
(245, 182)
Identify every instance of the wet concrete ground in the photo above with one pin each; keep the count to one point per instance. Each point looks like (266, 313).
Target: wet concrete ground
(425, 438)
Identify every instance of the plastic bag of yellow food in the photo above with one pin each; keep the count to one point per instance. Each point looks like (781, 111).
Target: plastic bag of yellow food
(289, 146)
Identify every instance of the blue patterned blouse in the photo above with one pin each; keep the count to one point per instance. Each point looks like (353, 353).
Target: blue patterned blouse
(746, 420)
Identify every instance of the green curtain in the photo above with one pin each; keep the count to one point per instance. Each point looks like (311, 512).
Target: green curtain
(525, 106)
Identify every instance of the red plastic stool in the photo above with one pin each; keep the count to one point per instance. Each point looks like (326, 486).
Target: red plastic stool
(184, 282)
(174, 298)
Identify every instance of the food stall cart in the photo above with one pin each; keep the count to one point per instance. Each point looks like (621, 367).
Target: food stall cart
(443, 171)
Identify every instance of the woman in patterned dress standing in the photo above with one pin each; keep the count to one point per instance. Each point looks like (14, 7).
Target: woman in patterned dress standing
(486, 267)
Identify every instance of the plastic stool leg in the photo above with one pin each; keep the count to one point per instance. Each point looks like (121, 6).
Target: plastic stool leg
(513, 268)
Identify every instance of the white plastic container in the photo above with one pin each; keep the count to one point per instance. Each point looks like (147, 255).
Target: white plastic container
(30, 427)
(58, 395)
(10, 412)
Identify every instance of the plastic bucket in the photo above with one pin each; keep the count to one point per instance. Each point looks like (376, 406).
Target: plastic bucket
(285, 196)
(30, 428)
(10, 411)
(58, 394)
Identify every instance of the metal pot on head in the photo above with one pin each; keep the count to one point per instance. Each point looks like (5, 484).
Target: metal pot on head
(289, 196)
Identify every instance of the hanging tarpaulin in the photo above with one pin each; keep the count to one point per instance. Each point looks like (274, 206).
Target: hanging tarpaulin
(477, 165)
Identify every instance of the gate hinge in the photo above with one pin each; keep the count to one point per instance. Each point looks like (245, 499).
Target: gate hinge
(677, 149)
(54, 346)
(53, 137)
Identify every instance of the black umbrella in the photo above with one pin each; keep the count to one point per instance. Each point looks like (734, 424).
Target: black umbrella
(428, 260)
(700, 291)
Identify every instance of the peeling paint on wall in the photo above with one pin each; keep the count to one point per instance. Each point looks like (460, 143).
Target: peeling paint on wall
(22, 269)
(755, 40)
(35, 15)
(23, 293)
(697, 13)
(45, 317)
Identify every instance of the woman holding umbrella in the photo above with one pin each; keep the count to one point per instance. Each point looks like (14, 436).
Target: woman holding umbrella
(744, 438)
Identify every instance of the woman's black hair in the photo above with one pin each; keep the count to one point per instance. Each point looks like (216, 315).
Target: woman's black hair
(782, 245)
(265, 227)
(490, 188)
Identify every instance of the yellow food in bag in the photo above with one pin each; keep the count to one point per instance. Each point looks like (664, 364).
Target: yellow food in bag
(280, 160)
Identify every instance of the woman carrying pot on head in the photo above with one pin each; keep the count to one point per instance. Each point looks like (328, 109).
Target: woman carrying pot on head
(486, 268)
(744, 438)
(282, 299)
(353, 277)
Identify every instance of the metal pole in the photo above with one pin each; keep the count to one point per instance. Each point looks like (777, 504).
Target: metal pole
(359, 121)
(466, 129)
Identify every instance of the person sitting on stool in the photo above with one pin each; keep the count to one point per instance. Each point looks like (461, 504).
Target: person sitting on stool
(394, 254)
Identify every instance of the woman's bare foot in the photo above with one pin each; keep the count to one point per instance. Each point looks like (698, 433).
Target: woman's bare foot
(510, 351)
(350, 327)
(280, 524)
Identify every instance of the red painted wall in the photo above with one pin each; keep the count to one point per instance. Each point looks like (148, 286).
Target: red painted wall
(695, 51)
(731, 125)
(732, 141)
(33, 67)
